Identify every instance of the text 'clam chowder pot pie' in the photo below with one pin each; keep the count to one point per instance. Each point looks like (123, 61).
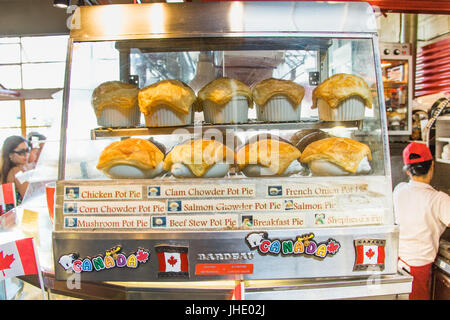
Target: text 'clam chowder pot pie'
(225, 100)
(167, 103)
(337, 156)
(132, 158)
(197, 158)
(116, 104)
(278, 100)
(268, 155)
(342, 97)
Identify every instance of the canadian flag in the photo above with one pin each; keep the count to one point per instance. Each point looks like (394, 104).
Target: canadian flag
(7, 197)
(173, 261)
(18, 258)
(369, 253)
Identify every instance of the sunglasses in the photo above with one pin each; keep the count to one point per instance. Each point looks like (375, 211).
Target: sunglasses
(22, 152)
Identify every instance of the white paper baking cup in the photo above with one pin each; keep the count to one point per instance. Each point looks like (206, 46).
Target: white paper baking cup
(119, 117)
(278, 109)
(235, 111)
(218, 170)
(130, 172)
(352, 108)
(326, 168)
(165, 116)
(256, 170)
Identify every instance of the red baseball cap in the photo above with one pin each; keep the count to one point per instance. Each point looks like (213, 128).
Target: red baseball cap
(416, 152)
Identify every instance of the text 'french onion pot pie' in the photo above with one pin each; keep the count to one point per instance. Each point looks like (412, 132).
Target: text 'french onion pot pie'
(199, 158)
(132, 158)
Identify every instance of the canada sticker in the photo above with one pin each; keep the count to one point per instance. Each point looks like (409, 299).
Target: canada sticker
(301, 245)
(113, 258)
(369, 254)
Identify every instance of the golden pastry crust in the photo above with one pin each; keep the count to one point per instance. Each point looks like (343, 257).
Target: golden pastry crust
(275, 154)
(268, 88)
(114, 93)
(198, 155)
(344, 152)
(222, 90)
(135, 152)
(339, 87)
(173, 93)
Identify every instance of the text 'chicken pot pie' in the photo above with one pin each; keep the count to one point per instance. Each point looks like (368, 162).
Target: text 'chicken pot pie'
(337, 156)
(278, 100)
(131, 158)
(342, 97)
(225, 100)
(267, 155)
(167, 103)
(199, 158)
(116, 104)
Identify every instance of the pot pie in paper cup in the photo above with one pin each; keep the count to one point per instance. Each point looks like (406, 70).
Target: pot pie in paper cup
(337, 157)
(225, 100)
(167, 103)
(302, 138)
(278, 100)
(116, 104)
(268, 155)
(198, 158)
(132, 158)
(342, 97)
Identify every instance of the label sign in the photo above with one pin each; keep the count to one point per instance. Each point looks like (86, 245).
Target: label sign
(201, 191)
(195, 222)
(105, 222)
(113, 207)
(115, 192)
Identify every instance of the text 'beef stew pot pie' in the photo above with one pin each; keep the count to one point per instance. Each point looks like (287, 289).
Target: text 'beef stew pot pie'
(342, 97)
(132, 158)
(278, 100)
(116, 104)
(337, 156)
(268, 155)
(225, 100)
(167, 103)
(197, 158)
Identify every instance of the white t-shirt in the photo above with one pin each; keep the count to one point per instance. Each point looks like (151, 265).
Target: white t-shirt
(422, 214)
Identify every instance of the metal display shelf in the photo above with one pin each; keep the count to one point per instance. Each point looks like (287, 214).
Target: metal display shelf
(254, 125)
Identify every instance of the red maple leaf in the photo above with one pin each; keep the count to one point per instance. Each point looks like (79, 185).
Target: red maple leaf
(5, 262)
(142, 256)
(172, 261)
(333, 247)
(370, 253)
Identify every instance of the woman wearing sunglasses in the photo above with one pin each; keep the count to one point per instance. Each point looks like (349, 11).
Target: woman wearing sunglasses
(15, 153)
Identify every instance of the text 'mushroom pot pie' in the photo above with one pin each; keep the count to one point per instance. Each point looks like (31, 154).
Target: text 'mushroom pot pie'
(225, 100)
(337, 156)
(167, 103)
(116, 104)
(132, 158)
(199, 158)
(342, 97)
(278, 100)
(268, 155)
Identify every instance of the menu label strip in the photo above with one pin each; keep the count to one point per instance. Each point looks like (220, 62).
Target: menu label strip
(113, 207)
(201, 191)
(129, 192)
(195, 222)
(106, 222)
(314, 190)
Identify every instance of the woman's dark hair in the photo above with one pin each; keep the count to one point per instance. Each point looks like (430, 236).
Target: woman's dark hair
(8, 146)
(419, 168)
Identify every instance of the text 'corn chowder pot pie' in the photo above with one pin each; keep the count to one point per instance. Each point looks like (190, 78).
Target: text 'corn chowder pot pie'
(268, 155)
(167, 103)
(116, 104)
(342, 97)
(337, 156)
(225, 100)
(278, 100)
(132, 158)
(197, 158)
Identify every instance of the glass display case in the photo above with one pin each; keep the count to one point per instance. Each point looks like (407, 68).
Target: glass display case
(254, 189)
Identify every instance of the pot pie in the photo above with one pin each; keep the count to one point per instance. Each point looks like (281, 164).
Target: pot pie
(337, 156)
(268, 155)
(167, 103)
(225, 100)
(116, 104)
(278, 100)
(199, 158)
(302, 138)
(131, 158)
(342, 97)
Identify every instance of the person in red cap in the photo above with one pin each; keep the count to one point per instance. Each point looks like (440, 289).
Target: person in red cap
(422, 214)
